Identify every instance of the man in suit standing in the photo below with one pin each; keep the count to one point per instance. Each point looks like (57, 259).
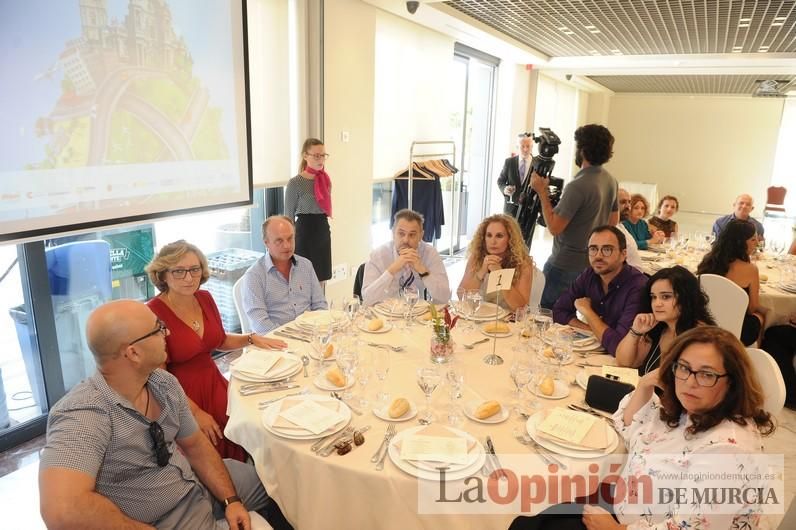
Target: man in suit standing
(514, 174)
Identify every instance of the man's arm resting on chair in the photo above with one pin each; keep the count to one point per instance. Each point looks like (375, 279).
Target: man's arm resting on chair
(68, 500)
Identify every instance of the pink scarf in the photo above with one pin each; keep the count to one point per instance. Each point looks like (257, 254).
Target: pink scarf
(323, 189)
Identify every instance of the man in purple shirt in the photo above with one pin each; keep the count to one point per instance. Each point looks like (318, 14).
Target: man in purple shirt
(608, 294)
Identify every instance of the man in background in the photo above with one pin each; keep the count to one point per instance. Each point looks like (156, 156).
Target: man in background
(742, 209)
(514, 174)
(633, 257)
(588, 200)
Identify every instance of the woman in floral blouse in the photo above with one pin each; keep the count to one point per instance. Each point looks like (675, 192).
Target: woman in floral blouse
(710, 410)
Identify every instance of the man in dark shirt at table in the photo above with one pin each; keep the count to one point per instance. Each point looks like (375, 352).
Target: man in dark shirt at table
(608, 294)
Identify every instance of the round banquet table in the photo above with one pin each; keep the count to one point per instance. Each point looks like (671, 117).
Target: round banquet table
(347, 491)
(779, 302)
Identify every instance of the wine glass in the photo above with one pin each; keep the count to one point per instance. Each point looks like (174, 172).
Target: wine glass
(410, 295)
(364, 370)
(381, 367)
(521, 373)
(520, 321)
(454, 376)
(428, 379)
(510, 190)
(473, 298)
(352, 310)
(321, 337)
(562, 348)
(347, 360)
(543, 319)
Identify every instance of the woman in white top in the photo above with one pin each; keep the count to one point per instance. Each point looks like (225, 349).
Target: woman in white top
(498, 244)
(708, 419)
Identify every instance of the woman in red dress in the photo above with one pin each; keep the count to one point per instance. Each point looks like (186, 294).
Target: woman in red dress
(195, 331)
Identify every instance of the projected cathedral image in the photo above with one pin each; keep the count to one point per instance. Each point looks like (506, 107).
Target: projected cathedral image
(128, 94)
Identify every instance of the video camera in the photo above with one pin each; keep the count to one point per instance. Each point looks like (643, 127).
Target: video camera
(529, 209)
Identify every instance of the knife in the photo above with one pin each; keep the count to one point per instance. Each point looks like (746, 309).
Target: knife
(495, 461)
(268, 388)
(288, 336)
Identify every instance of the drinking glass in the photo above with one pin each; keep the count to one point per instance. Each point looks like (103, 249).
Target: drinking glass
(454, 376)
(473, 298)
(521, 372)
(510, 190)
(543, 319)
(381, 367)
(347, 360)
(428, 379)
(353, 309)
(411, 295)
(363, 373)
(562, 348)
(321, 337)
(520, 322)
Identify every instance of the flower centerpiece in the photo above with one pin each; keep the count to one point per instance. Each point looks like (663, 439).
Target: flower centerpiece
(441, 340)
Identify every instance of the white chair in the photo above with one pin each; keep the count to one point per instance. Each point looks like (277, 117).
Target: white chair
(258, 523)
(728, 302)
(536, 287)
(770, 379)
(236, 297)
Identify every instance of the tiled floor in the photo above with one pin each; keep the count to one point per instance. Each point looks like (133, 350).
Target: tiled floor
(19, 466)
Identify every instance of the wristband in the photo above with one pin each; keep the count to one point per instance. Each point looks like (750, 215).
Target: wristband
(636, 333)
(232, 500)
(424, 274)
(250, 338)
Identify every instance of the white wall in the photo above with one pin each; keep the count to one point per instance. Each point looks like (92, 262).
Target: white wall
(703, 149)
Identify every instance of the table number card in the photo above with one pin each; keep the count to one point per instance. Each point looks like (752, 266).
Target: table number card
(625, 375)
(448, 449)
(568, 425)
(499, 280)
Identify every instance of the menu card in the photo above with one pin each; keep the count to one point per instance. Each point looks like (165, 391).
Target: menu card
(448, 449)
(568, 425)
(625, 375)
(311, 416)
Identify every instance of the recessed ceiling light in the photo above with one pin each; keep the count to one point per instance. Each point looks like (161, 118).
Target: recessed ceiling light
(779, 19)
(737, 49)
(743, 25)
(777, 23)
(563, 28)
(745, 19)
(590, 27)
(762, 49)
(594, 52)
(616, 52)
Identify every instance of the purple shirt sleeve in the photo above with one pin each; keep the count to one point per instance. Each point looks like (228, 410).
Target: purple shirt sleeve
(564, 308)
(630, 307)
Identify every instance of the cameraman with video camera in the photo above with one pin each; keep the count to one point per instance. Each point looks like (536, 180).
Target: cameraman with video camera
(588, 201)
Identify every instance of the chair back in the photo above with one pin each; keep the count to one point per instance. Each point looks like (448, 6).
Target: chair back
(358, 281)
(770, 378)
(238, 300)
(728, 302)
(537, 286)
(775, 199)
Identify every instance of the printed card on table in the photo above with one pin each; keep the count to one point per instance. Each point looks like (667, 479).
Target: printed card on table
(568, 425)
(451, 450)
(499, 280)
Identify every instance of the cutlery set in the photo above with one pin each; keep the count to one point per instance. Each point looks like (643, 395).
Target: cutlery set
(492, 461)
(354, 409)
(378, 457)
(547, 458)
(259, 388)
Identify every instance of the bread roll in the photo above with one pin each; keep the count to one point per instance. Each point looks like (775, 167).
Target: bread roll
(335, 376)
(763, 277)
(548, 352)
(527, 333)
(398, 408)
(425, 316)
(497, 327)
(487, 409)
(328, 351)
(376, 324)
(547, 386)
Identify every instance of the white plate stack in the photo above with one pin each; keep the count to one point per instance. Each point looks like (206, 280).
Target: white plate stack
(602, 438)
(264, 366)
(310, 319)
(487, 312)
(788, 287)
(429, 468)
(306, 417)
(396, 308)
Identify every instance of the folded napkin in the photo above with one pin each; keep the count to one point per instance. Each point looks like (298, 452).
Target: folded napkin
(256, 365)
(595, 437)
(438, 431)
(300, 415)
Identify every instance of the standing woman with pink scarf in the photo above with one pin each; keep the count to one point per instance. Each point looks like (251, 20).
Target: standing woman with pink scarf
(308, 200)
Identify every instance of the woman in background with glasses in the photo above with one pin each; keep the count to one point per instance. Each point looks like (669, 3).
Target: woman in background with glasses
(674, 303)
(498, 244)
(730, 257)
(195, 331)
(708, 419)
(308, 200)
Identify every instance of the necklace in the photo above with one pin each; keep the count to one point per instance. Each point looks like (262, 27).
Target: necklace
(196, 324)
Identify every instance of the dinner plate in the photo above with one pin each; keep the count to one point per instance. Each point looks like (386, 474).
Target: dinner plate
(310, 319)
(396, 308)
(487, 312)
(552, 360)
(562, 449)
(560, 390)
(500, 417)
(429, 471)
(292, 366)
(384, 329)
(269, 415)
(314, 355)
(383, 414)
(324, 384)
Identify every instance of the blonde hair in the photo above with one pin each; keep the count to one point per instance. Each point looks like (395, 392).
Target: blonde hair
(517, 253)
(305, 149)
(168, 257)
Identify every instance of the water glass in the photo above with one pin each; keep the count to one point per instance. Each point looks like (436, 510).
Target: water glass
(410, 295)
(381, 367)
(543, 319)
(321, 338)
(454, 377)
(521, 372)
(347, 360)
(428, 379)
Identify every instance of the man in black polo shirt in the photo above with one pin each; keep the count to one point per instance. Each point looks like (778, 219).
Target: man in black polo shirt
(123, 449)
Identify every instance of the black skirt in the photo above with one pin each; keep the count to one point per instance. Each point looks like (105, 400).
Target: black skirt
(314, 242)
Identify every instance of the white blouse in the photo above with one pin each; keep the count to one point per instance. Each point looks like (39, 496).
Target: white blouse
(659, 451)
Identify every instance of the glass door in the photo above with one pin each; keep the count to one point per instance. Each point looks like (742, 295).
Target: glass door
(471, 127)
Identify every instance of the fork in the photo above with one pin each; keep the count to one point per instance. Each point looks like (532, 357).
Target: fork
(320, 443)
(393, 348)
(353, 408)
(380, 463)
(387, 435)
(549, 459)
(474, 344)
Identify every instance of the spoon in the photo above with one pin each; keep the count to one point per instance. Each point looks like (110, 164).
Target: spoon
(305, 360)
(474, 344)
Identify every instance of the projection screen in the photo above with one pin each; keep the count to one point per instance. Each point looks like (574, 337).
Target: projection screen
(114, 111)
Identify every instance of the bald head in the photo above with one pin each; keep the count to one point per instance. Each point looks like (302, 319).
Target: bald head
(112, 326)
(743, 206)
(623, 197)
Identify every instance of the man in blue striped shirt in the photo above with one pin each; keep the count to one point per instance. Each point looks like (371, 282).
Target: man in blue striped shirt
(281, 285)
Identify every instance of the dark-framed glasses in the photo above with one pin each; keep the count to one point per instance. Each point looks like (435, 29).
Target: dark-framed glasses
(704, 378)
(159, 441)
(321, 156)
(179, 274)
(161, 328)
(605, 250)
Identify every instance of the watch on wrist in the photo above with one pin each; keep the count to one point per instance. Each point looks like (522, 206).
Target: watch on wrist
(232, 500)
(250, 338)
(423, 274)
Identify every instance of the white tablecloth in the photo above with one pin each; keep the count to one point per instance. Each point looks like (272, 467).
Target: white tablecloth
(346, 492)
